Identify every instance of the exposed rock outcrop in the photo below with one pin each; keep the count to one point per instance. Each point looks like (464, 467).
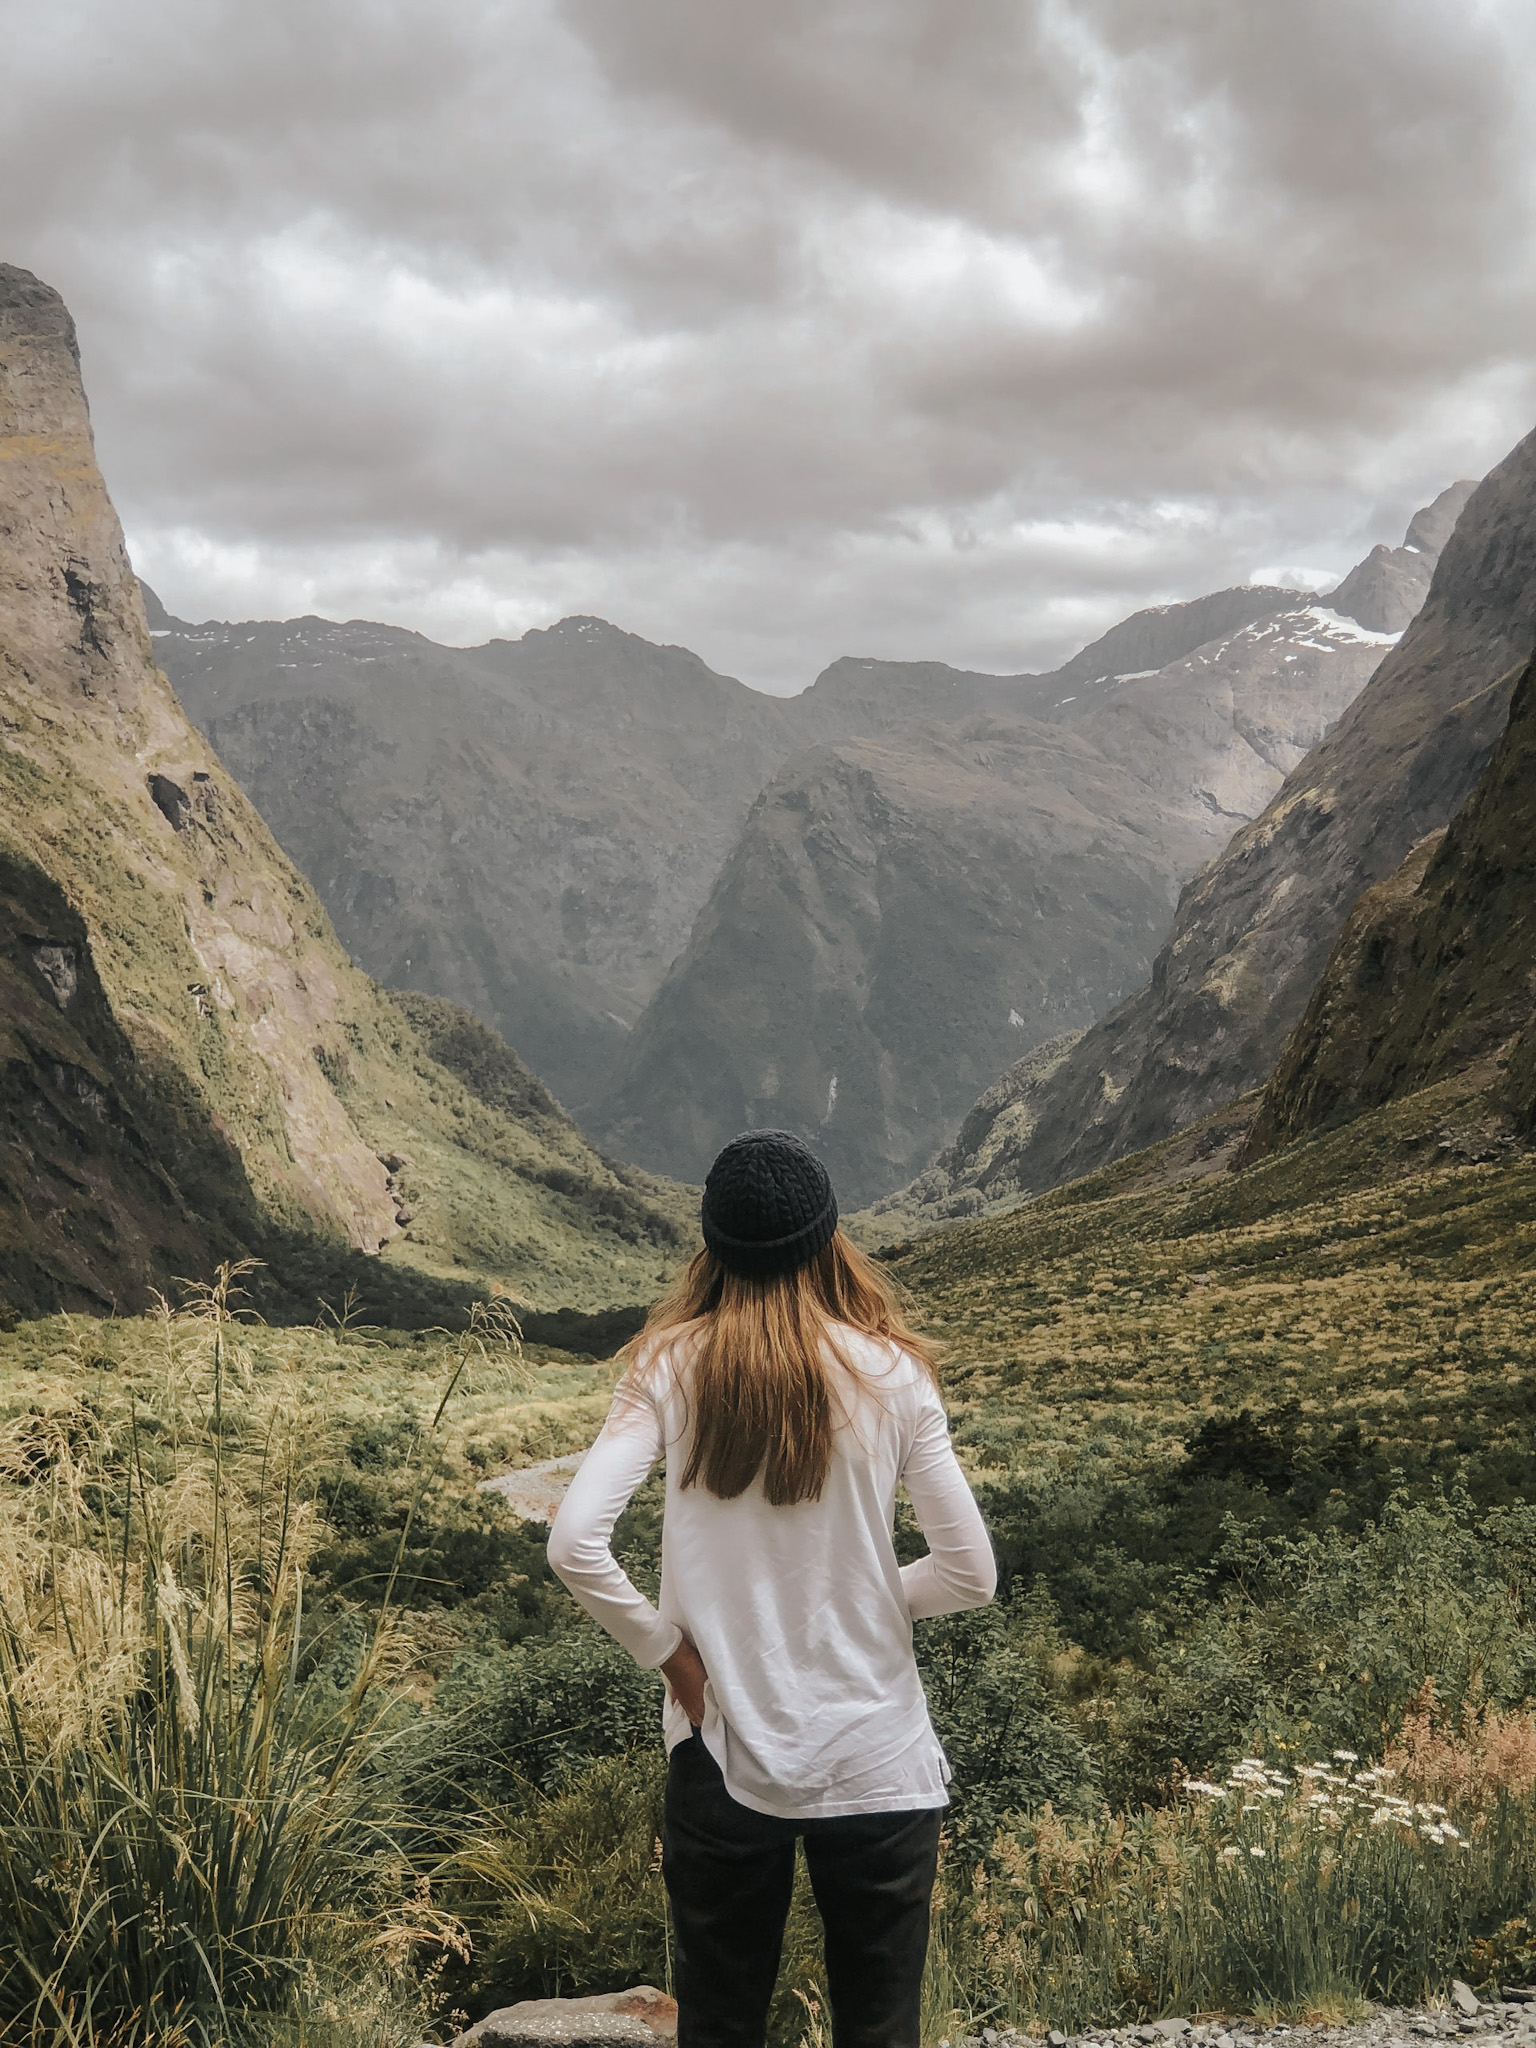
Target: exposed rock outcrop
(1385, 590)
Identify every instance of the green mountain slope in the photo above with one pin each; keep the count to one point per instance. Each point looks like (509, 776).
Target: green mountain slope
(1434, 976)
(1375, 1277)
(191, 1065)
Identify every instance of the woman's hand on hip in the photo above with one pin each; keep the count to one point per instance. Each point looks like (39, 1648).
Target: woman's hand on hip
(686, 1678)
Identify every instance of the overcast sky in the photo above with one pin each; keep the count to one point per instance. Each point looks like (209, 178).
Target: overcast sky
(929, 328)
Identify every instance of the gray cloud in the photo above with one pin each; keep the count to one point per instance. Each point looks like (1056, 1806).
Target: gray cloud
(915, 327)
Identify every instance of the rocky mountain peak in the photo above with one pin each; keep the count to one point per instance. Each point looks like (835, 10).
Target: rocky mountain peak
(1164, 633)
(71, 623)
(1432, 526)
(1385, 591)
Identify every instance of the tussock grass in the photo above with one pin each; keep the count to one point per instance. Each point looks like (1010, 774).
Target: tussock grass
(1366, 1276)
(193, 1836)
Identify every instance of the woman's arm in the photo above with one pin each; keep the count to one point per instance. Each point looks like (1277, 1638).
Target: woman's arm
(579, 1542)
(959, 1570)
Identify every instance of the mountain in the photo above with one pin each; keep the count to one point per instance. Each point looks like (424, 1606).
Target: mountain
(903, 918)
(1433, 978)
(682, 899)
(526, 828)
(1253, 932)
(1388, 587)
(190, 1065)
(531, 827)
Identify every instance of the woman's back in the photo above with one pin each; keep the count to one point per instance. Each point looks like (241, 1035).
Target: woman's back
(800, 1613)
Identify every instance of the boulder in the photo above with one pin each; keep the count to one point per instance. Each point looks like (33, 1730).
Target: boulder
(641, 2017)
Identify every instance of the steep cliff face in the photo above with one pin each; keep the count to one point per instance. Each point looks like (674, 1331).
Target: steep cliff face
(893, 923)
(1254, 929)
(900, 920)
(972, 1176)
(191, 1063)
(1434, 975)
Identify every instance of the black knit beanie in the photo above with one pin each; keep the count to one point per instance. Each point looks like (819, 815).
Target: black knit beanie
(768, 1205)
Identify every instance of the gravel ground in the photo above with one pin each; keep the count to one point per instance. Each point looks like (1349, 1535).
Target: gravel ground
(535, 1491)
(1510, 2018)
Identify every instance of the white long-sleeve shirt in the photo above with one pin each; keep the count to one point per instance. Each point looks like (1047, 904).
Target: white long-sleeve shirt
(801, 1614)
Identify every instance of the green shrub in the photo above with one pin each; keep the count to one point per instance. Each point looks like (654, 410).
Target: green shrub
(1280, 1891)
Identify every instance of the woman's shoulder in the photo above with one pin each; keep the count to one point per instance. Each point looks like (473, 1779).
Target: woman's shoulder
(881, 1361)
(657, 1364)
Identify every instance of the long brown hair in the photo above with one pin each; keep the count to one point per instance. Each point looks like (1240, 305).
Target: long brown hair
(757, 1356)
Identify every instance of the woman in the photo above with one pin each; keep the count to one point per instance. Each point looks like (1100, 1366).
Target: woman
(788, 1400)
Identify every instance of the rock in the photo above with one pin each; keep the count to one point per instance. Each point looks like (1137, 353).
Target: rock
(58, 969)
(404, 1216)
(1170, 2029)
(638, 2018)
(171, 801)
(1465, 1999)
(1429, 976)
(1057, 2038)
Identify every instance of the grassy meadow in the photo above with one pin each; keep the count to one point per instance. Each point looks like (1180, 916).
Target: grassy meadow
(299, 1741)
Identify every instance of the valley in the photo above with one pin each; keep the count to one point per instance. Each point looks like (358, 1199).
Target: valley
(694, 908)
(1256, 1456)
(1233, 1283)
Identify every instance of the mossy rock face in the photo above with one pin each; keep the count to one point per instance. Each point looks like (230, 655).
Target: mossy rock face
(191, 1068)
(1434, 971)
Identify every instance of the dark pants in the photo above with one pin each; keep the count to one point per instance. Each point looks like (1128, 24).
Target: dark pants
(729, 1872)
